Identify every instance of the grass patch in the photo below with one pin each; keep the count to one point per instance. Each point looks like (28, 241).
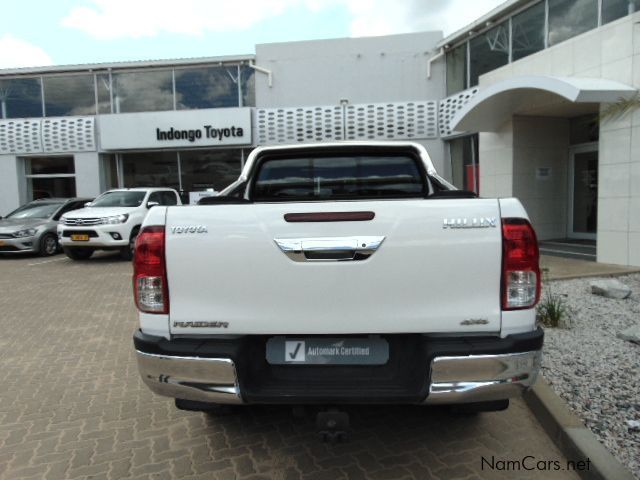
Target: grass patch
(552, 311)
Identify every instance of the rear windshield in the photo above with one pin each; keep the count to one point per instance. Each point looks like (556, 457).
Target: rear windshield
(338, 177)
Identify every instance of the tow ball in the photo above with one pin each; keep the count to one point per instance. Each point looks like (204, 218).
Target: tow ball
(332, 426)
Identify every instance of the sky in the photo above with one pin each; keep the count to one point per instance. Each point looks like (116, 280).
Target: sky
(63, 32)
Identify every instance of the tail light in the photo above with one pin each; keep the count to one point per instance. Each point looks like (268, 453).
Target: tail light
(520, 265)
(149, 271)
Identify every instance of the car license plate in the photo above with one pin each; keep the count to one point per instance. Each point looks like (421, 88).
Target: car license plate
(80, 238)
(327, 351)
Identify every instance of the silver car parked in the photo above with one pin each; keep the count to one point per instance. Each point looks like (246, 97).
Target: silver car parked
(32, 227)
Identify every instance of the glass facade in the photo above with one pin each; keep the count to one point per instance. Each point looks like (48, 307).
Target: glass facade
(186, 170)
(488, 51)
(144, 91)
(141, 90)
(248, 82)
(207, 87)
(150, 169)
(457, 69)
(527, 32)
(103, 88)
(110, 171)
(50, 165)
(50, 177)
(568, 18)
(51, 188)
(204, 169)
(615, 9)
(69, 95)
(20, 98)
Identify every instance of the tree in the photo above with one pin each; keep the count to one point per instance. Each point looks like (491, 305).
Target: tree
(619, 109)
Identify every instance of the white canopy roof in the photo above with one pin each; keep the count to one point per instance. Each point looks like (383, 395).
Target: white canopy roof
(535, 95)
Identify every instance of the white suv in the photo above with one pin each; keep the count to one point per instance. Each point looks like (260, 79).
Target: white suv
(111, 222)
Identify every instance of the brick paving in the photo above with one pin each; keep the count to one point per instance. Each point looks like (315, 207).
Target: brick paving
(72, 405)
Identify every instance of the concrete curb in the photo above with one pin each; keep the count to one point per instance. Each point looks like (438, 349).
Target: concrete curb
(570, 435)
(604, 274)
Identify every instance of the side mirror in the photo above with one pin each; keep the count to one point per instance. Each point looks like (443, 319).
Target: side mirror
(152, 204)
(88, 204)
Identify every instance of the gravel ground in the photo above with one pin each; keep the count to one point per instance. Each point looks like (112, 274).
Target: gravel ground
(595, 372)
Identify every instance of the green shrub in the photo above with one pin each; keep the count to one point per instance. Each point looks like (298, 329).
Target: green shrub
(552, 310)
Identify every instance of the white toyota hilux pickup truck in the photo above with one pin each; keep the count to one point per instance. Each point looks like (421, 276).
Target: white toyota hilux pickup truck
(338, 273)
(111, 222)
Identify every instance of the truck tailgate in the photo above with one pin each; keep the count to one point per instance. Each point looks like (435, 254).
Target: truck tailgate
(232, 277)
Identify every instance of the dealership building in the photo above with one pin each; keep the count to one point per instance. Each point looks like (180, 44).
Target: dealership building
(511, 105)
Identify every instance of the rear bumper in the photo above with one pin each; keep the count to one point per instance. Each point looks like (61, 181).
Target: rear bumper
(440, 371)
(479, 378)
(199, 379)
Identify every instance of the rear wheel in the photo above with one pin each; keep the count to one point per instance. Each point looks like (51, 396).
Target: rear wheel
(78, 253)
(127, 252)
(48, 245)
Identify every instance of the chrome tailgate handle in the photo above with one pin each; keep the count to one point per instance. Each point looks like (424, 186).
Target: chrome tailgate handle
(329, 249)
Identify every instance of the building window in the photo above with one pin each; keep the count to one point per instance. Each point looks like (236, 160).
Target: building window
(568, 18)
(465, 169)
(150, 169)
(207, 87)
(143, 91)
(488, 52)
(615, 9)
(248, 82)
(69, 95)
(527, 32)
(50, 177)
(103, 84)
(110, 171)
(20, 98)
(205, 169)
(456, 69)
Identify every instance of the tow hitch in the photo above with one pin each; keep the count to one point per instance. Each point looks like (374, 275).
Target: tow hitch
(332, 425)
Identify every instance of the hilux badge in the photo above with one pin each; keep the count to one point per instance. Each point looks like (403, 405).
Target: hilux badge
(481, 222)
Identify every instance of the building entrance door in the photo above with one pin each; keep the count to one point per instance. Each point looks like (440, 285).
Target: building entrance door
(583, 192)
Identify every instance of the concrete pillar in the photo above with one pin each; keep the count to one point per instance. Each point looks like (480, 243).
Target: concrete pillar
(618, 193)
(87, 174)
(496, 162)
(11, 180)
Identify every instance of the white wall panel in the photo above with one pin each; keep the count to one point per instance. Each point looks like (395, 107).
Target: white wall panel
(21, 135)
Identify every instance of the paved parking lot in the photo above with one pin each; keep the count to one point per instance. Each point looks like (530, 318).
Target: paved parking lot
(72, 405)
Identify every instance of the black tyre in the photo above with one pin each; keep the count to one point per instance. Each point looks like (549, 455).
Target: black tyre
(78, 253)
(127, 252)
(48, 245)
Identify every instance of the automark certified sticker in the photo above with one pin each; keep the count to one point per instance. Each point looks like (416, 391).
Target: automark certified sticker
(328, 351)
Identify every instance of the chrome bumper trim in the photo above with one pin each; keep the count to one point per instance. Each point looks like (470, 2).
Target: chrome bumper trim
(478, 378)
(199, 379)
